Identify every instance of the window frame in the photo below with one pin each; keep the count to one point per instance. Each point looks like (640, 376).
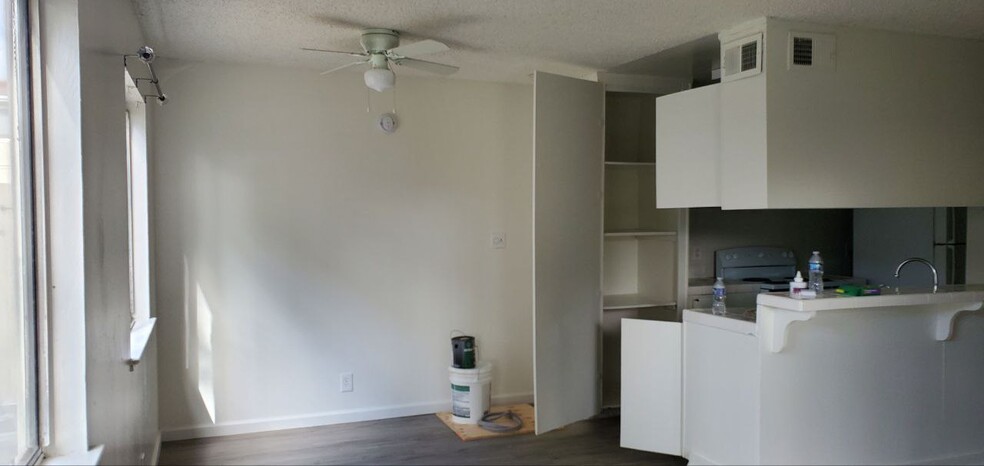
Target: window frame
(24, 161)
(142, 322)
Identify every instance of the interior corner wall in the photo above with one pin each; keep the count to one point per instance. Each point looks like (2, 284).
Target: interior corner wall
(121, 405)
(296, 241)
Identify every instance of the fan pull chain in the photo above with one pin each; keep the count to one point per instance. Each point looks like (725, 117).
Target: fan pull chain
(394, 100)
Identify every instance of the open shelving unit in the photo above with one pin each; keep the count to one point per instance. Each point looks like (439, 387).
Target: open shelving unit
(640, 241)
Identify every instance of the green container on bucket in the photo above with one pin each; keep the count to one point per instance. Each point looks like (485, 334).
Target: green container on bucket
(463, 352)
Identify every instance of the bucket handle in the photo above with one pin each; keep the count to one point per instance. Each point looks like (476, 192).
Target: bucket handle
(460, 333)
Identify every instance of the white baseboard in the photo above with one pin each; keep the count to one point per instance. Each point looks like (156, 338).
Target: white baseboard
(976, 458)
(695, 459)
(155, 457)
(323, 419)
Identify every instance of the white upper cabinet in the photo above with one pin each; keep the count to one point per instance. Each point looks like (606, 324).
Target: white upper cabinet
(688, 151)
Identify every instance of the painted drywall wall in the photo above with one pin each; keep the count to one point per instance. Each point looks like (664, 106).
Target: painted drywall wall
(827, 230)
(885, 237)
(121, 405)
(895, 122)
(297, 241)
(63, 227)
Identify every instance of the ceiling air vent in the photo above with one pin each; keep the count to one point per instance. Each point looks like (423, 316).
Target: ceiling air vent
(809, 50)
(741, 58)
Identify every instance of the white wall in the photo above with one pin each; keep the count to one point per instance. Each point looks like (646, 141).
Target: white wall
(897, 123)
(296, 241)
(122, 405)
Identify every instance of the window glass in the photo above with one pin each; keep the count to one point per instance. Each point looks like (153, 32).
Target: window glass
(18, 349)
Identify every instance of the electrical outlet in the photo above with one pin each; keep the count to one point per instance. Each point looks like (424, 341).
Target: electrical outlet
(697, 254)
(346, 382)
(497, 240)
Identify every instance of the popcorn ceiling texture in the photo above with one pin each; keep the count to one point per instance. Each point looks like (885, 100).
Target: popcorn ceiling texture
(505, 40)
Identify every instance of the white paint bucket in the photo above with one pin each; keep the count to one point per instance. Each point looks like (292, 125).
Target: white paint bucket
(471, 393)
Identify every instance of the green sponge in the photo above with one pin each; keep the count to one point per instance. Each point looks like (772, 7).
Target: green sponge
(855, 290)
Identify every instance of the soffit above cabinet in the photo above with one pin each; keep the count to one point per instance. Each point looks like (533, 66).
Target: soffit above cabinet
(875, 119)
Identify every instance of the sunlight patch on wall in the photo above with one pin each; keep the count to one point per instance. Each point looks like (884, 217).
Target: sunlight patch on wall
(206, 377)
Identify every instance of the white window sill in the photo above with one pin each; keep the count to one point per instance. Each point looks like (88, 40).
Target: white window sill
(139, 337)
(88, 458)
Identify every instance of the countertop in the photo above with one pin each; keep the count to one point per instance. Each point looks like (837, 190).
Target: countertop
(890, 297)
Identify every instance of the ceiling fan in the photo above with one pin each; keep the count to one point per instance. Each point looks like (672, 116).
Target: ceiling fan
(382, 47)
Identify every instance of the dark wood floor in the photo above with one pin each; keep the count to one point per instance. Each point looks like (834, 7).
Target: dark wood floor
(412, 440)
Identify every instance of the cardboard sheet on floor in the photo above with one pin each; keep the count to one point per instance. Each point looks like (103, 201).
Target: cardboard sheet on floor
(469, 432)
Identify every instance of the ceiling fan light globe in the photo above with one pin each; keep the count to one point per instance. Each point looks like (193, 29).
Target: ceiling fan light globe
(380, 79)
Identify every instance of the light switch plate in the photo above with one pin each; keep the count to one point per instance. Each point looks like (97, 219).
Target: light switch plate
(497, 240)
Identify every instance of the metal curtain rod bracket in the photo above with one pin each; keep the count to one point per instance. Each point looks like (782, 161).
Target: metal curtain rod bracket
(147, 56)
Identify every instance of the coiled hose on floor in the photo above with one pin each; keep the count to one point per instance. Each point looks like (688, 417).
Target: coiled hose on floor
(489, 423)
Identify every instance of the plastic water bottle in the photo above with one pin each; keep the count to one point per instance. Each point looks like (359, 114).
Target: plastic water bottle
(720, 295)
(816, 273)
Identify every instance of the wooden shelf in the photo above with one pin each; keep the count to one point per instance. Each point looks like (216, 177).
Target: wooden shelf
(630, 164)
(632, 301)
(617, 233)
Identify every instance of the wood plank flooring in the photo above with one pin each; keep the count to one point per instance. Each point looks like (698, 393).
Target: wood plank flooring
(412, 440)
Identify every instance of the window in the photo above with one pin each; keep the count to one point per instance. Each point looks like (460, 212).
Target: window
(18, 330)
(135, 119)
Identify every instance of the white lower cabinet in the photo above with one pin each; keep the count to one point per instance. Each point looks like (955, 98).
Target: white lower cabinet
(651, 386)
(721, 402)
(690, 389)
(881, 384)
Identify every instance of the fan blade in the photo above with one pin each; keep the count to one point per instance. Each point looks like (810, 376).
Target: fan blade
(427, 66)
(336, 52)
(343, 67)
(416, 49)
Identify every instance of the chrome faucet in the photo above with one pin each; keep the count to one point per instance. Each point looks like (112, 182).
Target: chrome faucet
(936, 277)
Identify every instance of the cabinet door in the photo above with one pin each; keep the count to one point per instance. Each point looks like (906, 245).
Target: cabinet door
(567, 235)
(688, 148)
(652, 377)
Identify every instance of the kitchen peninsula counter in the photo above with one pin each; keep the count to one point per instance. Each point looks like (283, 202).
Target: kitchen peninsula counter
(890, 379)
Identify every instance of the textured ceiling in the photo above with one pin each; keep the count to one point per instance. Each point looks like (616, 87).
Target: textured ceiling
(505, 40)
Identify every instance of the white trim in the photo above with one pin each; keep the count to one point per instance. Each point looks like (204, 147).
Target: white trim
(696, 460)
(323, 419)
(155, 457)
(139, 338)
(86, 458)
(65, 419)
(976, 458)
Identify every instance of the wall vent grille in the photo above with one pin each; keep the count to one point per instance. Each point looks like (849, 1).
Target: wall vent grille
(749, 56)
(811, 52)
(803, 51)
(742, 58)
